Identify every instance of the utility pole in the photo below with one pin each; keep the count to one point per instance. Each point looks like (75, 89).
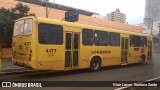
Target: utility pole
(46, 8)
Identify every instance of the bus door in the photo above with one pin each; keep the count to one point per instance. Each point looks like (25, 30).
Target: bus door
(71, 50)
(124, 51)
(149, 50)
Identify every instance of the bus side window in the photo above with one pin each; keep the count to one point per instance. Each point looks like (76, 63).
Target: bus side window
(87, 37)
(100, 38)
(50, 34)
(135, 41)
(114, 39)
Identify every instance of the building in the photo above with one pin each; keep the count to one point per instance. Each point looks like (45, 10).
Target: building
(156, 25)
(152, 12)
(117, 16)
(155, 28)
(57, 11)
(152, 17)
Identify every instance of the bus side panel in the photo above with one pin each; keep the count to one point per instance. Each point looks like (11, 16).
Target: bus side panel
(136, 54)
(109, 55)
(130, 55)
(113, 57)
(51, 56)
(86, 55)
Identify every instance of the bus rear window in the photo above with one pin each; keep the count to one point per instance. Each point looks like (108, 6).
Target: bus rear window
(23, 27)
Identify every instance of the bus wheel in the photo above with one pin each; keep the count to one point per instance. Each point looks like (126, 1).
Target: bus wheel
(142, 59)
(95, 64)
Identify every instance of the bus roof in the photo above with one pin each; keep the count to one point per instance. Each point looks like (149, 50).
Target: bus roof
(74, 24)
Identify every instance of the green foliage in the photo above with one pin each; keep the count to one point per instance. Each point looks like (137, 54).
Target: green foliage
(7, 18)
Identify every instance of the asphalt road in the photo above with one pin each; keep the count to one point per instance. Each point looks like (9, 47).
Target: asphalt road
(134, 72)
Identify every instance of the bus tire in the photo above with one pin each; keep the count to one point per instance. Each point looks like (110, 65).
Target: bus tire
(142, 59)
(95, 64)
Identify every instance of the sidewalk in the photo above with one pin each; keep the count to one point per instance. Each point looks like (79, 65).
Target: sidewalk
(8, 68)
(7, 64)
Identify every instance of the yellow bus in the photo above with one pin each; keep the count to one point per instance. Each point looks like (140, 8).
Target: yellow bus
(48, 44)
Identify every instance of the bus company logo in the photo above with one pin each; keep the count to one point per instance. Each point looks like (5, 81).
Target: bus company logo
(100, 52)
(6, 84)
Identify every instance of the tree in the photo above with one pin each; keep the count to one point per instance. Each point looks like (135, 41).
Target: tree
(7, 18)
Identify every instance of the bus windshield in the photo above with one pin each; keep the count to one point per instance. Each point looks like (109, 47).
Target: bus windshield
(23, 27)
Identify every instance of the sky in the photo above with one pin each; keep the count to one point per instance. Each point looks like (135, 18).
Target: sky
(134, 9)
